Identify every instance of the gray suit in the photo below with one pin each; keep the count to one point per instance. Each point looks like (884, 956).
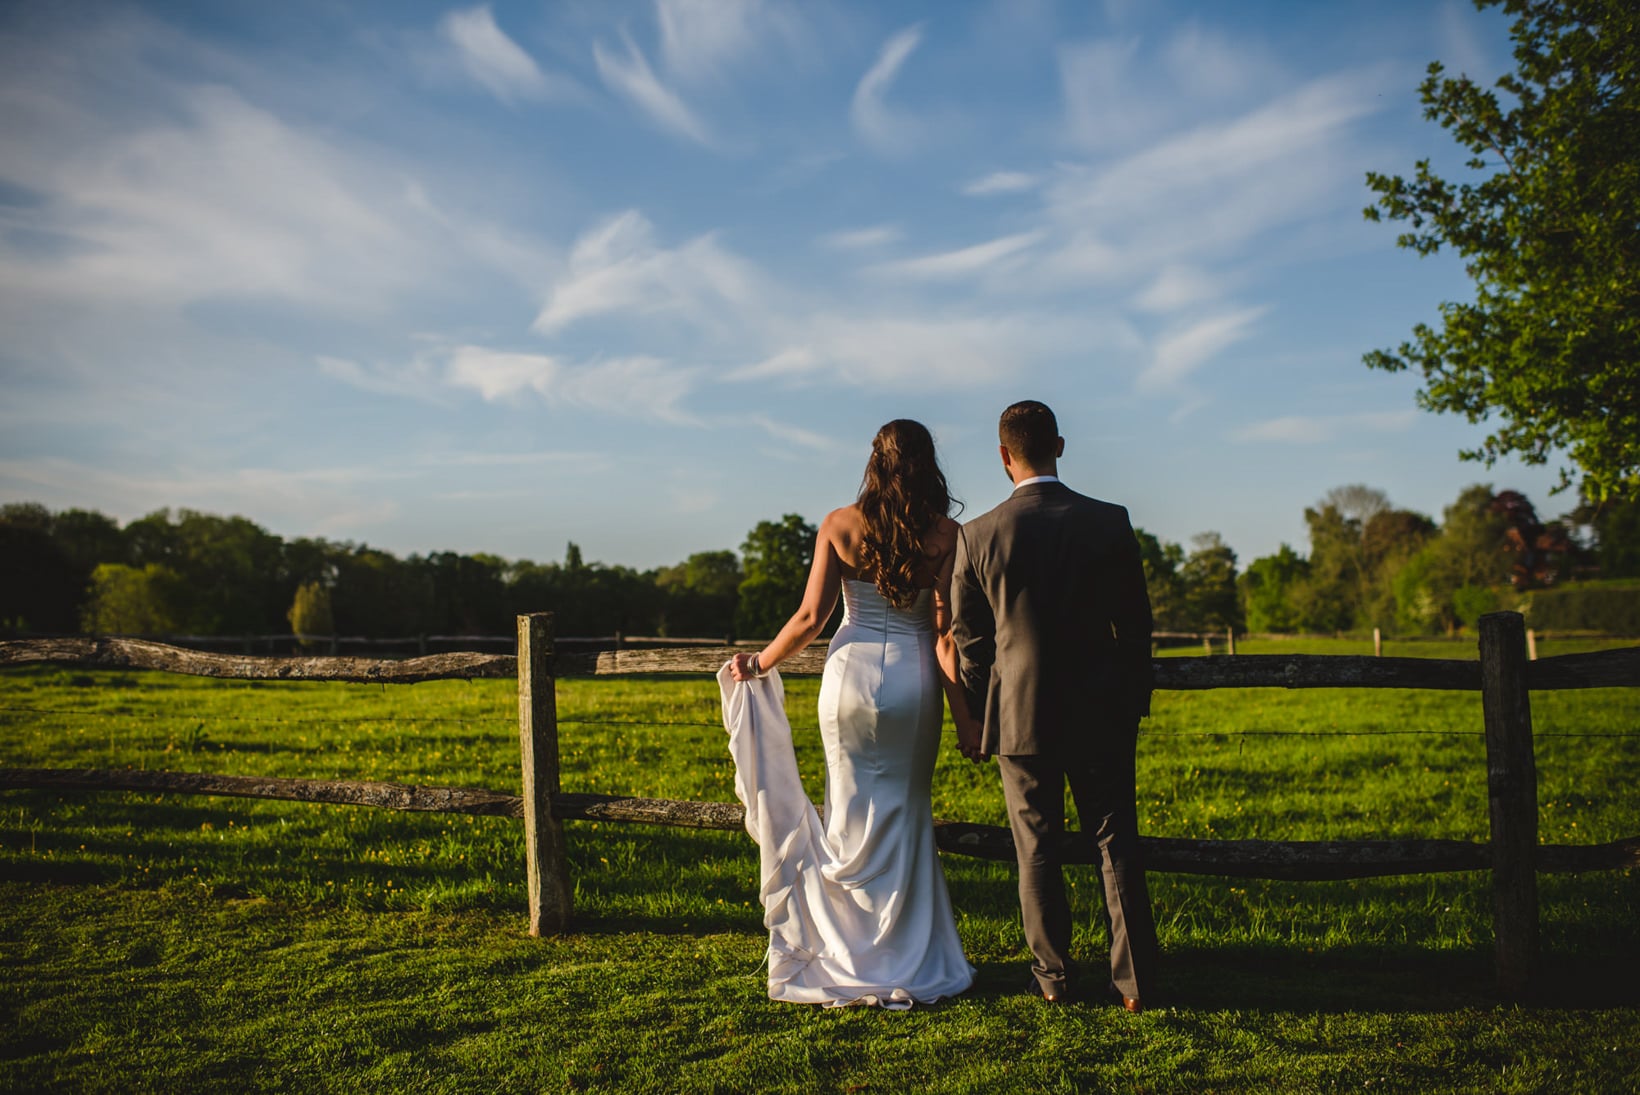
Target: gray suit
(1053, 625)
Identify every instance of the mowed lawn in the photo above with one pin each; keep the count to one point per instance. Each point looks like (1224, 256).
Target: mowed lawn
(157, 942)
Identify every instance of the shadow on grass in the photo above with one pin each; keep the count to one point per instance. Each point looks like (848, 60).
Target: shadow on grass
(1345, 980)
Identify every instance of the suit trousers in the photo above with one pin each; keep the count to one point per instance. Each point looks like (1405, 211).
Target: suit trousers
(1101, 778)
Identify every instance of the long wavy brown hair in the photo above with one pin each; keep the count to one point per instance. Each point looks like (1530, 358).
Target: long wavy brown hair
(902, 495)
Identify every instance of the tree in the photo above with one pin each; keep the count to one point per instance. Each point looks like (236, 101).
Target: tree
(1550, 346)
(1329, 598)
(40, 588)
(129, 600)
(776, 555)
(88, 538)
(1161, 561)
(1390, 538)
(701, 594)
(309, 614)
(1614, 530)
(46, 560)
(1208, 577)
(1266, 589)
(1538, 549)
(377, 593)
(1452, 580)
(231, 569)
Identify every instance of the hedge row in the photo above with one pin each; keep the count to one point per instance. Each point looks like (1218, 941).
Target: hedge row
(1610, 607)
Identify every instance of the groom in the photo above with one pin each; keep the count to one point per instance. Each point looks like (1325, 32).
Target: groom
(1053, 626)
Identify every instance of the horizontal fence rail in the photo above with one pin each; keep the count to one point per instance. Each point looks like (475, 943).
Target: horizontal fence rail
(142, 654)
(1504, 676)
(1289, 860)
(1602, 669)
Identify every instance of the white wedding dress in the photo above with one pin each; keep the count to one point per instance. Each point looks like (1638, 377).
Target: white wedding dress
(854, 896)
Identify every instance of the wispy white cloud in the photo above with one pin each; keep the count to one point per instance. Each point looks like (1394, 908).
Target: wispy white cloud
(641, 387)
(1176, 288)
(719, 306)
(631, 77)
(1094, 78)
(160, 193)
(875, 121)
(701, 39)
(474, 459)
(1120, 92)
(322, 500)
(1182, 351)
(1221, 184)
(1460, 50)
(795, 435)
(1318, 429)
(963, 262)
(493, 59)
(1198, 200)
(860, 239)
(617, 267)
(225, 198)
(1000, 182)
(1209, 66)
(788, 362)
(418, 380)
(916, 350)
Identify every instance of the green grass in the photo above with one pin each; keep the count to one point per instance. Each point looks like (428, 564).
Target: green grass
(162, 942)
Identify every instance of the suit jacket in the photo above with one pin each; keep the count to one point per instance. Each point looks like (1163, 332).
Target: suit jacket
(1052, 620)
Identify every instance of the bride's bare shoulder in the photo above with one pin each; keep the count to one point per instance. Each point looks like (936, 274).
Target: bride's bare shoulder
(844, 529)
(844, 525)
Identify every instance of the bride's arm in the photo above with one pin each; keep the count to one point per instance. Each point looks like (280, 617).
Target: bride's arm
(945, 652)
(819, 598)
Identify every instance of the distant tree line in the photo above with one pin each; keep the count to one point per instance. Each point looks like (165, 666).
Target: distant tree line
(1369, 565)
(1372, 565)
(197, 573)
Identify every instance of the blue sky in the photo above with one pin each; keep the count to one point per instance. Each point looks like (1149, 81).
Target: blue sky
(639, 275)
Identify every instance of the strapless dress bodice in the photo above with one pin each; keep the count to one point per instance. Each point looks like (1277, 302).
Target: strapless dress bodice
(864, 607)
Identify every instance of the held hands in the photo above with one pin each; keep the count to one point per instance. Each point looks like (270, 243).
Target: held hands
(968, 741)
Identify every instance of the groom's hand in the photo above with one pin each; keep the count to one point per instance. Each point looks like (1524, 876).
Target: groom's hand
(968, 742)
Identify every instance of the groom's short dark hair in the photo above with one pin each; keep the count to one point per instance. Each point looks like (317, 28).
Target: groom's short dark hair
(1030, 432)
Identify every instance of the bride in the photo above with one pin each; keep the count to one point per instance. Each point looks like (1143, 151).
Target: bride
(854, 896)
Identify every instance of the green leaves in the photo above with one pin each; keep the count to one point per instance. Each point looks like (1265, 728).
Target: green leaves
(1549, 349)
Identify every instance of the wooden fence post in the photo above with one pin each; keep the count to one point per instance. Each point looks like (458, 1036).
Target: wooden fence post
(1377, 643)
(1531, 645)
(548, 883)
(1207, 644)
(1229, 640)
(1511, 785)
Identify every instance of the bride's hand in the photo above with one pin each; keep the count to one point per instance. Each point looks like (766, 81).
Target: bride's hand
(744, 667)
(968, 741)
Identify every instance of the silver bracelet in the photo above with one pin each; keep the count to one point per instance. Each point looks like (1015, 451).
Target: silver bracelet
(755, 666)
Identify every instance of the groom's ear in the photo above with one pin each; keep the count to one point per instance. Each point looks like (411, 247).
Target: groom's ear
(1007, 457)
(1059, 448)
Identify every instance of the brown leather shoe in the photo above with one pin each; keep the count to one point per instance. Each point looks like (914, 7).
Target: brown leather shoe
(1064, 996)
(1128, 1003)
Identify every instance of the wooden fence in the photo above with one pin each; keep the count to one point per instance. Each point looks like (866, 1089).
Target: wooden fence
(1504, 676)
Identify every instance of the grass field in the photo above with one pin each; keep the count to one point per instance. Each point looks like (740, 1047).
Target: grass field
(166, 942)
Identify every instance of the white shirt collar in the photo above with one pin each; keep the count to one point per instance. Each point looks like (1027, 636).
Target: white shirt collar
(1036, 479)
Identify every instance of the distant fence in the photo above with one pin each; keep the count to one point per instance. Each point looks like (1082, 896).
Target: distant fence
(422, 645)
(287, 643)
(1504, 676)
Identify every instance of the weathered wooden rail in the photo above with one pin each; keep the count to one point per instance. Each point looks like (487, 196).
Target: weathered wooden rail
(1301, 861)
(1504, 676)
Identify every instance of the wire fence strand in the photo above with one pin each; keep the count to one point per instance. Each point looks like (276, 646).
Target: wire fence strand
(508, 720)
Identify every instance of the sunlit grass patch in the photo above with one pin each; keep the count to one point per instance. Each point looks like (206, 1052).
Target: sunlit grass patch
(203, 941)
